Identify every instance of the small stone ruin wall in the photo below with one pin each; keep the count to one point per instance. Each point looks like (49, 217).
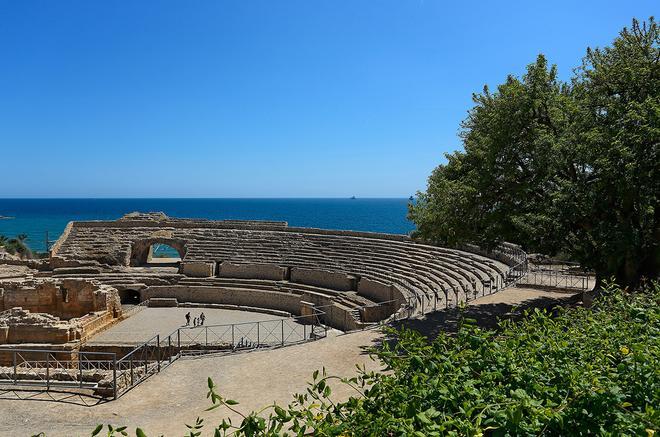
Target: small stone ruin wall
(19, 326)
(66, 299)
(55, 312)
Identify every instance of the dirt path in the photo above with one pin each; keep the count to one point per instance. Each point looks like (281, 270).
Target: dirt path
(176, 396)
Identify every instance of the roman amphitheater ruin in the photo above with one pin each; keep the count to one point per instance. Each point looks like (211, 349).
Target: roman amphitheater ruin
(104, 311)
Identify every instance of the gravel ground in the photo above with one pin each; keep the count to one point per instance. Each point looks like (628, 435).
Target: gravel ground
(148, 322)
(176, 396)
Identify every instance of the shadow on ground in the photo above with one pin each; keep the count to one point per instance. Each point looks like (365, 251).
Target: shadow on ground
(485, 316)
(51, 396)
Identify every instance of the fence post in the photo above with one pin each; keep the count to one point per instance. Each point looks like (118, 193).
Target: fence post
(80, 373)
(132, 371)
(282, 332)
(232, 336)
(47, 370)
(15, 374)
(158, 351)
(169, 348)
(114, 375)
(258, 342)
(206, 335)
(305, 332)
(178, 341)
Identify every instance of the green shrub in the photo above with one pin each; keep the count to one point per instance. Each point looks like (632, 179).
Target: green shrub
(580, 371)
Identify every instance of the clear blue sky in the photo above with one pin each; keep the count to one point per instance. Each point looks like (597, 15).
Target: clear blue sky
(261, 98)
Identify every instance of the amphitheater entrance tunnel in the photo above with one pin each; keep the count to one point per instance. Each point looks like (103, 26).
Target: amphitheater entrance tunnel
(129, 297)
(157, 253)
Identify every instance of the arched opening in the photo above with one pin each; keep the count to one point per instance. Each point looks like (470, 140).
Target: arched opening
(157, 252)
(129, 297)
(161, 253)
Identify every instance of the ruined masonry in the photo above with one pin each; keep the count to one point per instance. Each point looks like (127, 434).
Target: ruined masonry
(98, 271)
(359, 277)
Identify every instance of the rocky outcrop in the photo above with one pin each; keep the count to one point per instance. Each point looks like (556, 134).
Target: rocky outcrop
(18, 325)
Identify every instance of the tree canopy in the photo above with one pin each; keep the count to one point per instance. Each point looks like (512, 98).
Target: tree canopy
(561, 167)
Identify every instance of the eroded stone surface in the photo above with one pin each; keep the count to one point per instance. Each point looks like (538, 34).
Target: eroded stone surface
(55, 312)
(273, 251)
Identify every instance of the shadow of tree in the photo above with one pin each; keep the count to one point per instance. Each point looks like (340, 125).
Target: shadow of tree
(485, 316)
(35, 395)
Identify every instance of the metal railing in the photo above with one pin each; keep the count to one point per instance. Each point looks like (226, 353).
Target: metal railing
(44, 368)
(135, 309)
(110, 376)
(106, 375)
(558, 280)
(248, 335)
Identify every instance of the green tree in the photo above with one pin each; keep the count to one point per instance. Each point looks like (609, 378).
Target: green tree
(559, 167)
(609, 200)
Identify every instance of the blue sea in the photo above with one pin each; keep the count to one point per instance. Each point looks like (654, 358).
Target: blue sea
(37, 217)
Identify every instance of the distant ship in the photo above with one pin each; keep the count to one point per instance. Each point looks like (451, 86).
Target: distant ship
(4, 217)
(352, 197)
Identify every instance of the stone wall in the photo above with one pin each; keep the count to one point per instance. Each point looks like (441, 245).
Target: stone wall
(66, 299)
(271, 272)
(375, 291)
(198, 269)
(323, 278)
(376, 313)
(336, 315)
(21, 326)
(55, 312)
(199, 294)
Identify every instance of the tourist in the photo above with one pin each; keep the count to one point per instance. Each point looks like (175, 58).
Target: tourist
(202, 317)
(188, 318)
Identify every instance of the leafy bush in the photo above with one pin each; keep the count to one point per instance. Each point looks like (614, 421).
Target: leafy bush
(579, 371)
(16, 246)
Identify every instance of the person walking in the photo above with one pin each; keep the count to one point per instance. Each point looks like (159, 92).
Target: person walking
(188, 318)
(202, 317)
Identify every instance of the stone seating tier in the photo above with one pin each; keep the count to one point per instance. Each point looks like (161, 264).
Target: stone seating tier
(419, 271)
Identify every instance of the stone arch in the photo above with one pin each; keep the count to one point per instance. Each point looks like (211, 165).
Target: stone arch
(141, 249)
(130, 296)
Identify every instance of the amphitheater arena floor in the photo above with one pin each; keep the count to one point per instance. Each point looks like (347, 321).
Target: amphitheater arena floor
(148, 322)
(178, 395)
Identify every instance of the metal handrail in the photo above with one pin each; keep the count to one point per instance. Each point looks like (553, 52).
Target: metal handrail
(50, 351)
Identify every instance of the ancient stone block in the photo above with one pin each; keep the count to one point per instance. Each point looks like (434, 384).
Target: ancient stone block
(374, 290)
(323, 278)
(163, 302)
(197, 269)
(307, 312)
(252, 271)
